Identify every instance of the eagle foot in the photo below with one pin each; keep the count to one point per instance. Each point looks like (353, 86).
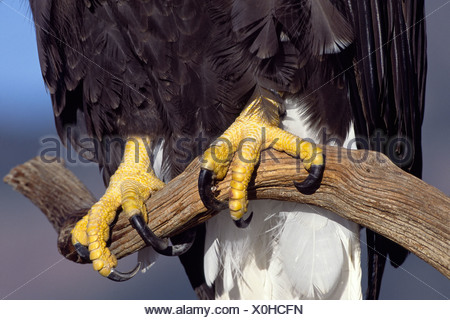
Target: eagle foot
(129, 187)
(239, 149)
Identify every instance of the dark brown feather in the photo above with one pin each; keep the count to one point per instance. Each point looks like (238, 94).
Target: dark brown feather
(390, 54)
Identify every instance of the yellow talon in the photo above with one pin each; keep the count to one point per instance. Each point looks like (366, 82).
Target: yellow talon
(251, 133)
(130, 186)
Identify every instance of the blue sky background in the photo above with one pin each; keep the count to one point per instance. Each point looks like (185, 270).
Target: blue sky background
(30, 265)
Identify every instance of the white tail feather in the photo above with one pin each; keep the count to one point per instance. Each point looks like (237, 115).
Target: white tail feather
(301, 252)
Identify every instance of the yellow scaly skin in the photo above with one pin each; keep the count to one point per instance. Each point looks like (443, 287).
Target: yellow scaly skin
(249, 135)
(130, 186)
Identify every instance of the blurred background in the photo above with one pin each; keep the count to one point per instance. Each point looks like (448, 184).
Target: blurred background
(30, 265)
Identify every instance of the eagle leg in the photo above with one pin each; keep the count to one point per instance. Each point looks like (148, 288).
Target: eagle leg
(239, 148)
(132, 183)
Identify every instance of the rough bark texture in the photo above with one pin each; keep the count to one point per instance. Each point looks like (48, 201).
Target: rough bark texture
(359, 185)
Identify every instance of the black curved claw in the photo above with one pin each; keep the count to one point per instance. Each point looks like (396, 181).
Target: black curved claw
(186, 241)
(161, 245)
(82, 251)
(119, 276)
(241, 223)
(147, 235)
(205, 183)
(312, 181)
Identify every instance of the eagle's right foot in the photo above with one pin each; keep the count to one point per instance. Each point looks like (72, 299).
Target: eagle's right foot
(247, 137)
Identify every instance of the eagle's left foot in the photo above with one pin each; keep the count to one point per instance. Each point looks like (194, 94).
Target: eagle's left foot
(251, 133)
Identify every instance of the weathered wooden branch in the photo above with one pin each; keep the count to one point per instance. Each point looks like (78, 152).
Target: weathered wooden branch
(359, 185)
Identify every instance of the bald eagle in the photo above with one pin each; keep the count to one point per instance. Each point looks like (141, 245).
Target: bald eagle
(156, 84)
